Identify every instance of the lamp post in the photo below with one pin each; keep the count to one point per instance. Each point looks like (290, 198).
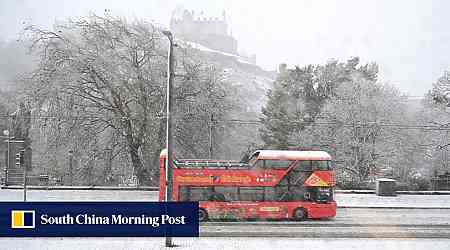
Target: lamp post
(169, 159)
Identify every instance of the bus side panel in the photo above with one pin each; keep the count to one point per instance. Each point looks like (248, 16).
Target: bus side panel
(231, 210)
(267, 210)
(319, 210)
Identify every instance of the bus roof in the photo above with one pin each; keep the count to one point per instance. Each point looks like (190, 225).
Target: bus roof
(292, 155)
(284, 155)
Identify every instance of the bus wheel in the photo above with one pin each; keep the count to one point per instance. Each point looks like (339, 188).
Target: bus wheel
(202, 215)
(299, 214)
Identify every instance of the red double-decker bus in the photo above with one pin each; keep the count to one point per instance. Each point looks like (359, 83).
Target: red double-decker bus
(272, 184)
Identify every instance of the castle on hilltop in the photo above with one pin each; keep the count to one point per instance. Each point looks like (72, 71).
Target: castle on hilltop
(209, 32)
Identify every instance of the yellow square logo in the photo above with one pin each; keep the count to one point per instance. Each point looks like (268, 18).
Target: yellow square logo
(22, 219)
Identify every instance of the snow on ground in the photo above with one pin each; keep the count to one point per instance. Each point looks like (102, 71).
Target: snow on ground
(221, 243)
(413, 201)
(78, 195)
(343, 200)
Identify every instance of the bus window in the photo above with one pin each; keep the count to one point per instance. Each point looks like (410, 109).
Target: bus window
(188, 193)
(230, 193)
(305, 165)
(216, 196)
(197, 193)
(277, 164)
(282, 193)
(270, 194)
(298, 193)
(184, 193)
(251, 193)
(260, 164)
(321, 165)
(320, 194)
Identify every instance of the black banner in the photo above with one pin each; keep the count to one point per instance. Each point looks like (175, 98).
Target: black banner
(99, 219)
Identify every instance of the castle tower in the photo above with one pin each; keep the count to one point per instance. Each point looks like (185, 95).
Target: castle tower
(211, 32)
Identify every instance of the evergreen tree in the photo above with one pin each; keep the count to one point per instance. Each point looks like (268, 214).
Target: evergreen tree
(276, 129)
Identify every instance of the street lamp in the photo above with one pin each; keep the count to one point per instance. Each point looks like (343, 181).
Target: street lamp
(169, 138)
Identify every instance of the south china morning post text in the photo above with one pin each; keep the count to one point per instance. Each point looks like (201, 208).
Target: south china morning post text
(119, 219)
(99, 219)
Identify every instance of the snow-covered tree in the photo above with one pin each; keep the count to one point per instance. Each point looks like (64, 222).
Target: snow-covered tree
(100, 90)
(298, 96)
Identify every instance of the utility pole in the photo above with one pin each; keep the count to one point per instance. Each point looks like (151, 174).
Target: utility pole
(169, 139)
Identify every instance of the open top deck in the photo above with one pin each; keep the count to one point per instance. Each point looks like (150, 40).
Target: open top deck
(291, 155)
(211, 164)
(282, 155)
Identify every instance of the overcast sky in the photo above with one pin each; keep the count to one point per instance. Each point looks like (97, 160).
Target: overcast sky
(409, 39)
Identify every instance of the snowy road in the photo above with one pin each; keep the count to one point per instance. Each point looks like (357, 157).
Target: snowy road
(362, 217)
(328, 231)
(349, 223)
(357, 227)
(224, 243)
